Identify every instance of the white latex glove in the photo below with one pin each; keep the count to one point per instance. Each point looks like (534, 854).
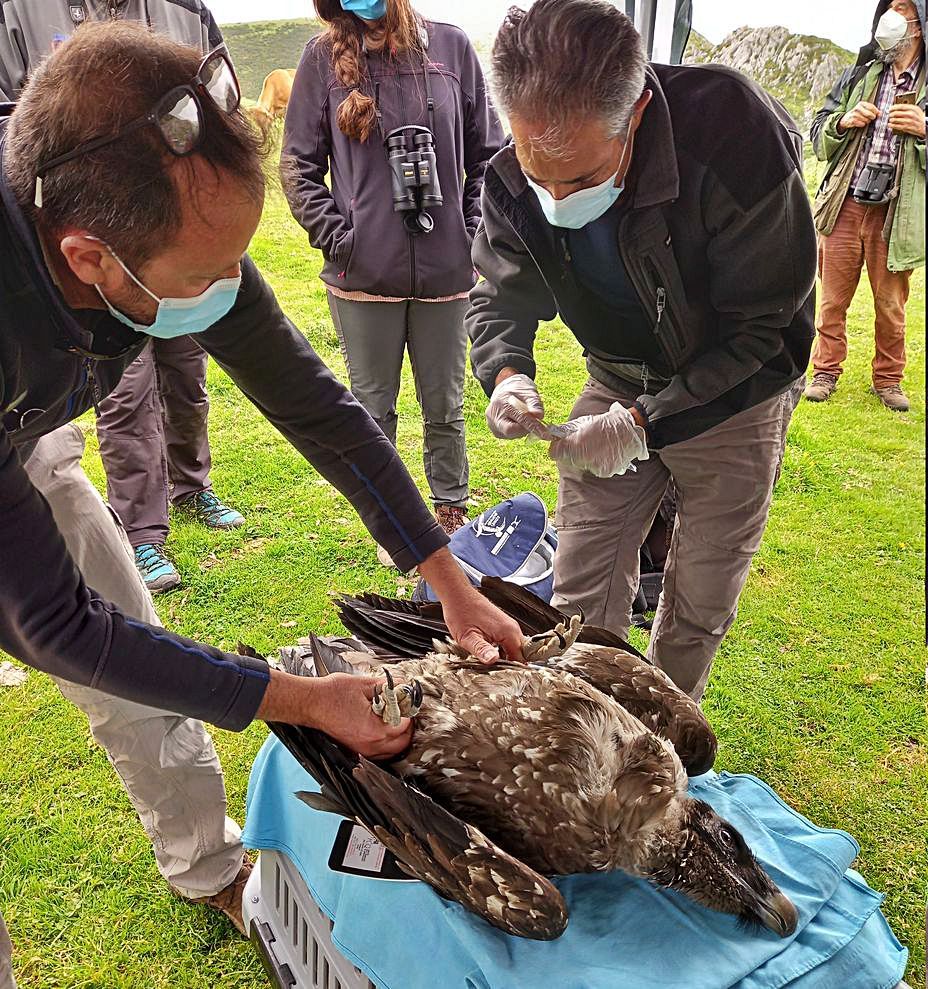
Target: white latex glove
(515, 408)
(603, 445)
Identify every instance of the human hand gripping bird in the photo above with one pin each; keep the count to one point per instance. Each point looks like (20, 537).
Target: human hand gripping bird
(476, 624)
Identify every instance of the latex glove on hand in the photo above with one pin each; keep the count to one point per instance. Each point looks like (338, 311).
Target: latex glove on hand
(515, 408)
(603, 445)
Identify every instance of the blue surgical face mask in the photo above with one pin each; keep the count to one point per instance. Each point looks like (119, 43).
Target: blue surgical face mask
(585, 205)
(367, 10)
(180, 317)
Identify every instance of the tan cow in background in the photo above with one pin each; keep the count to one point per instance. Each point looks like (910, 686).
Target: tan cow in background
(275, 95)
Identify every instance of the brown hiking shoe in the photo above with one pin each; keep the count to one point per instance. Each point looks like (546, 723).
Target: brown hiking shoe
(821, 388)
(229, 900)
(450, 518)
(893, 397)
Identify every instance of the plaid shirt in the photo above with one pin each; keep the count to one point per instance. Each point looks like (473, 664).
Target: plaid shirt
(882, 145)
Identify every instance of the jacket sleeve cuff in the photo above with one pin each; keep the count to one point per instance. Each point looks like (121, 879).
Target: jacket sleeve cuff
(244, 706)
(486, 375)
(639, 405)
(407, 556)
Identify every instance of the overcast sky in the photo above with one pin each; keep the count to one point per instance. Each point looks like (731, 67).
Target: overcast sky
(845, 21)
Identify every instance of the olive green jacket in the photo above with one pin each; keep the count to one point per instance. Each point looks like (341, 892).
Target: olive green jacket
(906, 217)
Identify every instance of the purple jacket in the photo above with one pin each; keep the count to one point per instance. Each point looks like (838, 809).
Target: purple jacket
(384, 259)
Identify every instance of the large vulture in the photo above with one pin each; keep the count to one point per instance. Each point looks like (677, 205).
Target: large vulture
(576, 762)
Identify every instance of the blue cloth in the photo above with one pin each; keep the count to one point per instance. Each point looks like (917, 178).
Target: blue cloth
(622, 931)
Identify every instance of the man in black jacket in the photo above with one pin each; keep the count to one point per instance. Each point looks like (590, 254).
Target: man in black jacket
(152, 427)
(144, 237)
(661, 211)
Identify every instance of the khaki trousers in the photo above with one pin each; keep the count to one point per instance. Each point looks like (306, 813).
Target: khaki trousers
(166, 763)
(857, 237)
(723, 480)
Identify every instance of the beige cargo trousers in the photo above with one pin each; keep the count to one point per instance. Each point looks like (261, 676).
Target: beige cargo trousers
(166, 763)
(723, 481)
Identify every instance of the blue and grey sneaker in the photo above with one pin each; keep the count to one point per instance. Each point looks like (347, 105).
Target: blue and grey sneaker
(157, 571)
(208, 509)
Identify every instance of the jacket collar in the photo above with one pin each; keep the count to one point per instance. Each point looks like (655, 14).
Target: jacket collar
(653, 177)
(73, 335)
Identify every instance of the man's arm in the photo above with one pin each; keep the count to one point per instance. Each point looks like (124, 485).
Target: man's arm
(285, 378)
(760, 291)
(827, 138)
(507, 305)
(51, 620)
(278, 370)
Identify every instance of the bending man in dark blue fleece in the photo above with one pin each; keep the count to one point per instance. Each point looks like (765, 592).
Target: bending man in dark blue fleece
(125, 218)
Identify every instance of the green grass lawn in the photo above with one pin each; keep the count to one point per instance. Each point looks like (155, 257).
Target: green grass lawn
(817, 689)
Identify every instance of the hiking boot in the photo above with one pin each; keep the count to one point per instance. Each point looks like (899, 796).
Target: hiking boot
(450, 518)
(893, 397)
(228, 901)
(208, 509)
(821, 388)
(157, 571)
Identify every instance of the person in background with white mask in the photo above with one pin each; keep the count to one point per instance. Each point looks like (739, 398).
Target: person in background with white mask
(871, 205)
(661, 211)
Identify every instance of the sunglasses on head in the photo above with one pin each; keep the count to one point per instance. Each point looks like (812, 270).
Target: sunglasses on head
(178, 115)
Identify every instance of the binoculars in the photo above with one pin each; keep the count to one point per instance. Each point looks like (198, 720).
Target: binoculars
(875, 183)
(413, 176)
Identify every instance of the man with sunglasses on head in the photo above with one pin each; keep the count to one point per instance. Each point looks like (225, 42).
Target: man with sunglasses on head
(153, 426)
(119, 219)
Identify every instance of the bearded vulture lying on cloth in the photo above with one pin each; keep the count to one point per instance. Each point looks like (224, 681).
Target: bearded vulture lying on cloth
(570, 764)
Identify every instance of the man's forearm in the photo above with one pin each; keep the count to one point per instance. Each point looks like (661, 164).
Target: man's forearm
(444, 575)
(288, 699)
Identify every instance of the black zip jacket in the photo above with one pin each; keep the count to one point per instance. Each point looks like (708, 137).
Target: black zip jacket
(717, 240)
(55, 362)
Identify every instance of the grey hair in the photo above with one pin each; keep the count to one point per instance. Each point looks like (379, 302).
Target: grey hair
(566, 61)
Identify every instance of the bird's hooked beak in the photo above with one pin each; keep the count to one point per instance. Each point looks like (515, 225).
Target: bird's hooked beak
(777, 913)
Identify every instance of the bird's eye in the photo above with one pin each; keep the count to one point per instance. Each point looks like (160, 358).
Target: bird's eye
(726, 836)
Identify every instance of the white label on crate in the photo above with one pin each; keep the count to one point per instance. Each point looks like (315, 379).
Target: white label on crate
(364, 851)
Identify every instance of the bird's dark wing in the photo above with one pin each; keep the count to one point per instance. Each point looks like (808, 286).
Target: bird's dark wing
(388, 624)
(407, 628)
(430, 843)
(651, 696)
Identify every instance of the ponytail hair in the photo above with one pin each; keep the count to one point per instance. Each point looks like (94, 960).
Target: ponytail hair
(397, 33)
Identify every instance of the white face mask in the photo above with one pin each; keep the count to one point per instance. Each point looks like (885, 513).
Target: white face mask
(891, 28)
(585, 205)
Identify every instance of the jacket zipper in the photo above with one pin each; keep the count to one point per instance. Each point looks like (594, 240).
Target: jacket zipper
(92, 381)
(410, 237)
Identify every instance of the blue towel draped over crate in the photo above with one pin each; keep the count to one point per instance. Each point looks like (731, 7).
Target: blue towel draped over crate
(623, 932)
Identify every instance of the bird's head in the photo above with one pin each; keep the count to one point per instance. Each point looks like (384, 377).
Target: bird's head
(704, 857)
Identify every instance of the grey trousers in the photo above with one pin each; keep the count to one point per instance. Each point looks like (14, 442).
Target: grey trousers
(724, 482)
(166, 763)
(153, 438)
(374, 337)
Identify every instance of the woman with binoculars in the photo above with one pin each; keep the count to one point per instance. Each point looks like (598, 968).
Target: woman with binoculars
(395, 109)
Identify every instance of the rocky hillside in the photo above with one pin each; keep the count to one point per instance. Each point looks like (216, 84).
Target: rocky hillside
(798, 69)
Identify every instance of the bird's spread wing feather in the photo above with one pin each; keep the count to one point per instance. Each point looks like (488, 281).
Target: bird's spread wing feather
(651, 696)
(431, 844)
